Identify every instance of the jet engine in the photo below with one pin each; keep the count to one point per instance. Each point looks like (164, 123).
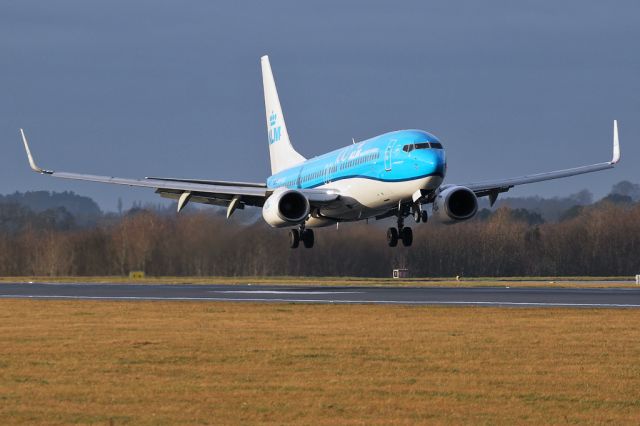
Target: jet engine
(454, 204)
(286, 207)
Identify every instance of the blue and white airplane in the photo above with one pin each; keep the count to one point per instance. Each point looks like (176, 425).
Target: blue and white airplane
(392, 175)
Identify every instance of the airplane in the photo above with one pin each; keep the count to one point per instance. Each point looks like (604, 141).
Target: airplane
(391, 175)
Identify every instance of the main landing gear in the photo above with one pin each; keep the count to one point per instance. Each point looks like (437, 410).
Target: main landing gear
(301, 234)
(404, 233)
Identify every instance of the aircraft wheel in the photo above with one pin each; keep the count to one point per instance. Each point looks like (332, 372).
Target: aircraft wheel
(417, 215)
(407, 236)
(392, 237)
(424, 216)
(308, 238)
(294, 238)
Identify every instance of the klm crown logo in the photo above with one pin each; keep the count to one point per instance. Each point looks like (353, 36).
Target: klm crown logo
(274, 132)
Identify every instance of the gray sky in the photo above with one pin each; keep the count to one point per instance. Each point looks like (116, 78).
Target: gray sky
(164, 88)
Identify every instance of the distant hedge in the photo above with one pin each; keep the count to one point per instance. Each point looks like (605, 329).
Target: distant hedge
(602, 239)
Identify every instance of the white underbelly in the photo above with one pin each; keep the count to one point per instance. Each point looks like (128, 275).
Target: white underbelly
(375, 194)
(363, 198)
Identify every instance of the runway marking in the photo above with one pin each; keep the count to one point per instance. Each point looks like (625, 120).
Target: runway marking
(352, 302)
(283, 292)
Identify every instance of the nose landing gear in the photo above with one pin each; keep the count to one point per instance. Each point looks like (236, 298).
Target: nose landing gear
(420, 215)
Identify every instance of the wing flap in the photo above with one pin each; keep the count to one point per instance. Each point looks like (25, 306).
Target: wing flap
(177, 186)
(222, 200)
(211, 182)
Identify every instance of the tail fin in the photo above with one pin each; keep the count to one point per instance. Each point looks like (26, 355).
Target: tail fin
(281, 152)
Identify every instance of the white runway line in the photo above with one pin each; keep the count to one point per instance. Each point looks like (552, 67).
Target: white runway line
(352, 302)
(283, 292)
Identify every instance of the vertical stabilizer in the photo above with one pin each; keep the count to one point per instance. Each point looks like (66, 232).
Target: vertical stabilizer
(281, 152)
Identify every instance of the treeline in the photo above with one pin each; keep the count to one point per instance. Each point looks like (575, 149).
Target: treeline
(81, 210)
(602, 239)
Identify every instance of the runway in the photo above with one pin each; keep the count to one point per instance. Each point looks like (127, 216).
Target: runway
(451, 296)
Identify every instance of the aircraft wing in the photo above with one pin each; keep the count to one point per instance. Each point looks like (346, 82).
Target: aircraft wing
(212, 182)
(492, 188)
(232, 195)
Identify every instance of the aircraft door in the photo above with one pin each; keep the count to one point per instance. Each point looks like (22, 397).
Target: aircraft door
(387, 156)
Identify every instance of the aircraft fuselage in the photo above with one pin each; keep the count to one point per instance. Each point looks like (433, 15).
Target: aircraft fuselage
(373, 175)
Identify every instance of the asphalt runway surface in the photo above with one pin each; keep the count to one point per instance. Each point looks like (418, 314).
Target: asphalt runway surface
(449, 296)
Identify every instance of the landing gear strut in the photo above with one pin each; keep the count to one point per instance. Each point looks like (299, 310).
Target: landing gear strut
(305, 235)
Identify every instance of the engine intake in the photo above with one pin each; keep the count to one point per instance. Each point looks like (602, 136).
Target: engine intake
(454, 204)
(286, 207)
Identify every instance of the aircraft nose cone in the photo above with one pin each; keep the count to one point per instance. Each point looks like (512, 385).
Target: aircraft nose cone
(441, 167)
(433, 162)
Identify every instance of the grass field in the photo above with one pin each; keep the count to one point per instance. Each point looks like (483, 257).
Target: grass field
(352, 281)
(220, 363)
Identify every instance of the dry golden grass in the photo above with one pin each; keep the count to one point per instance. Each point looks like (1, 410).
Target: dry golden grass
(221, 363)
(569, 282)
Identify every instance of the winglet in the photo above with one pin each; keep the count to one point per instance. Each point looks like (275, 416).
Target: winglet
(32, 163)
(616, 143)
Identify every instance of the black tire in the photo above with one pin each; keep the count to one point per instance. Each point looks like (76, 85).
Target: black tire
(407, 236)
(417, 215)
(392, 237)
(424, 216)
(294, 238)
(308, 238)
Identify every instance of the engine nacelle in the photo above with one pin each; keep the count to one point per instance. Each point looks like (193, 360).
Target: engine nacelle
(285, 207)
(454, 204)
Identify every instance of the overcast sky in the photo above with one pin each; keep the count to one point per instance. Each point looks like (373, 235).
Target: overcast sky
(157, 88)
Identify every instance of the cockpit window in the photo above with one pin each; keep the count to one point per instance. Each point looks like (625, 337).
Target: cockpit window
(422, 145)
